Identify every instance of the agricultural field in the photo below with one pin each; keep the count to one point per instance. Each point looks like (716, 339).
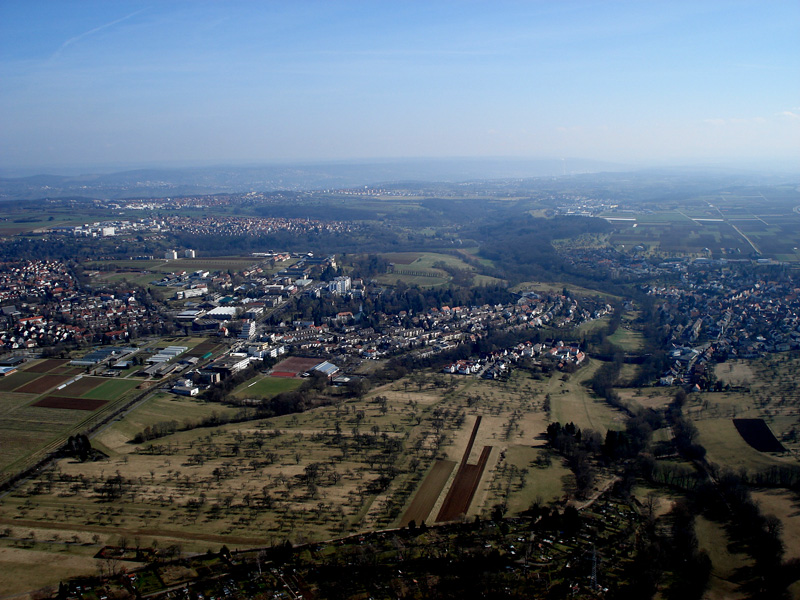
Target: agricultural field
(351, 466)
(40, 409)
(727, 225)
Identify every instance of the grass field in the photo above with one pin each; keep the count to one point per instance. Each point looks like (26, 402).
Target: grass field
(111, 389)
(115, 439)
(712, 538)
(572, 402)
(266, 387)
(724, 446)
(539, 484)
(627, 339)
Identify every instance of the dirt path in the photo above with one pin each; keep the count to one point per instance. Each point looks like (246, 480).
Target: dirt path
(593, 498)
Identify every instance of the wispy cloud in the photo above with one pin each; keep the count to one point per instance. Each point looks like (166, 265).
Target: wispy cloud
(790, 114)
(86, 34)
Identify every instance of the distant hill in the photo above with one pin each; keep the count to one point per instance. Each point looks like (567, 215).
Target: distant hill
(210, 180)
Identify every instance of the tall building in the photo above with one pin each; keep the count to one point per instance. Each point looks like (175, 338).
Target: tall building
(340, 285)
(189, 253)
(170, 255)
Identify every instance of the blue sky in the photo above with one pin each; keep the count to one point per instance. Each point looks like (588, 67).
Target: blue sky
(179, 82)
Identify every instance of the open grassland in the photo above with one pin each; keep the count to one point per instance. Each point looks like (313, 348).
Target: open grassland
(656, 398)
(627, 339)
(786, 506)
(425, 269)
(161, 407)
(266, 387)
(735, 372)
(725, 447)
(63, 559)
(713, 539)
(571, 401)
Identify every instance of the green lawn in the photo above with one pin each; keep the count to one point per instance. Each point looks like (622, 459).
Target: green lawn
(266, 387)
(113, 389)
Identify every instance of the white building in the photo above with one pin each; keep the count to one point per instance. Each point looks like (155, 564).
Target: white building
(189, 253)
(248, 330)
(340, 285)
(170, 255)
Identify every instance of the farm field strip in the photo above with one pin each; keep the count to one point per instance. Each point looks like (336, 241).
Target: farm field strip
(9, 383)
(111, 388)
(70, 403)
(428, 493)
(78, 387)
(463, 489)
(46, 365)
(42, 384)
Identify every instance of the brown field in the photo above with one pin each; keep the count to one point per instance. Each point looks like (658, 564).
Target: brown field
(70, 403)
(466, 482)
(42, 384)
(46, 365)
(283, 374)
(428, 493)
(81, 386)
(463, 489)
(67, 370)
(295, 365)
(16, 576)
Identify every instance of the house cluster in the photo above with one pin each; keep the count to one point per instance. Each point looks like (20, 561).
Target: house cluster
(246, 226)
(497, 364)
(735, 313)
(440, 329)
(620, 266)
(42, 305)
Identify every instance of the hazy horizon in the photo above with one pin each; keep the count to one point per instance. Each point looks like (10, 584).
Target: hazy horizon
(88, 85)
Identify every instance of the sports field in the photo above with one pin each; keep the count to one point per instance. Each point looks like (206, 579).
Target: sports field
(266, 387)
